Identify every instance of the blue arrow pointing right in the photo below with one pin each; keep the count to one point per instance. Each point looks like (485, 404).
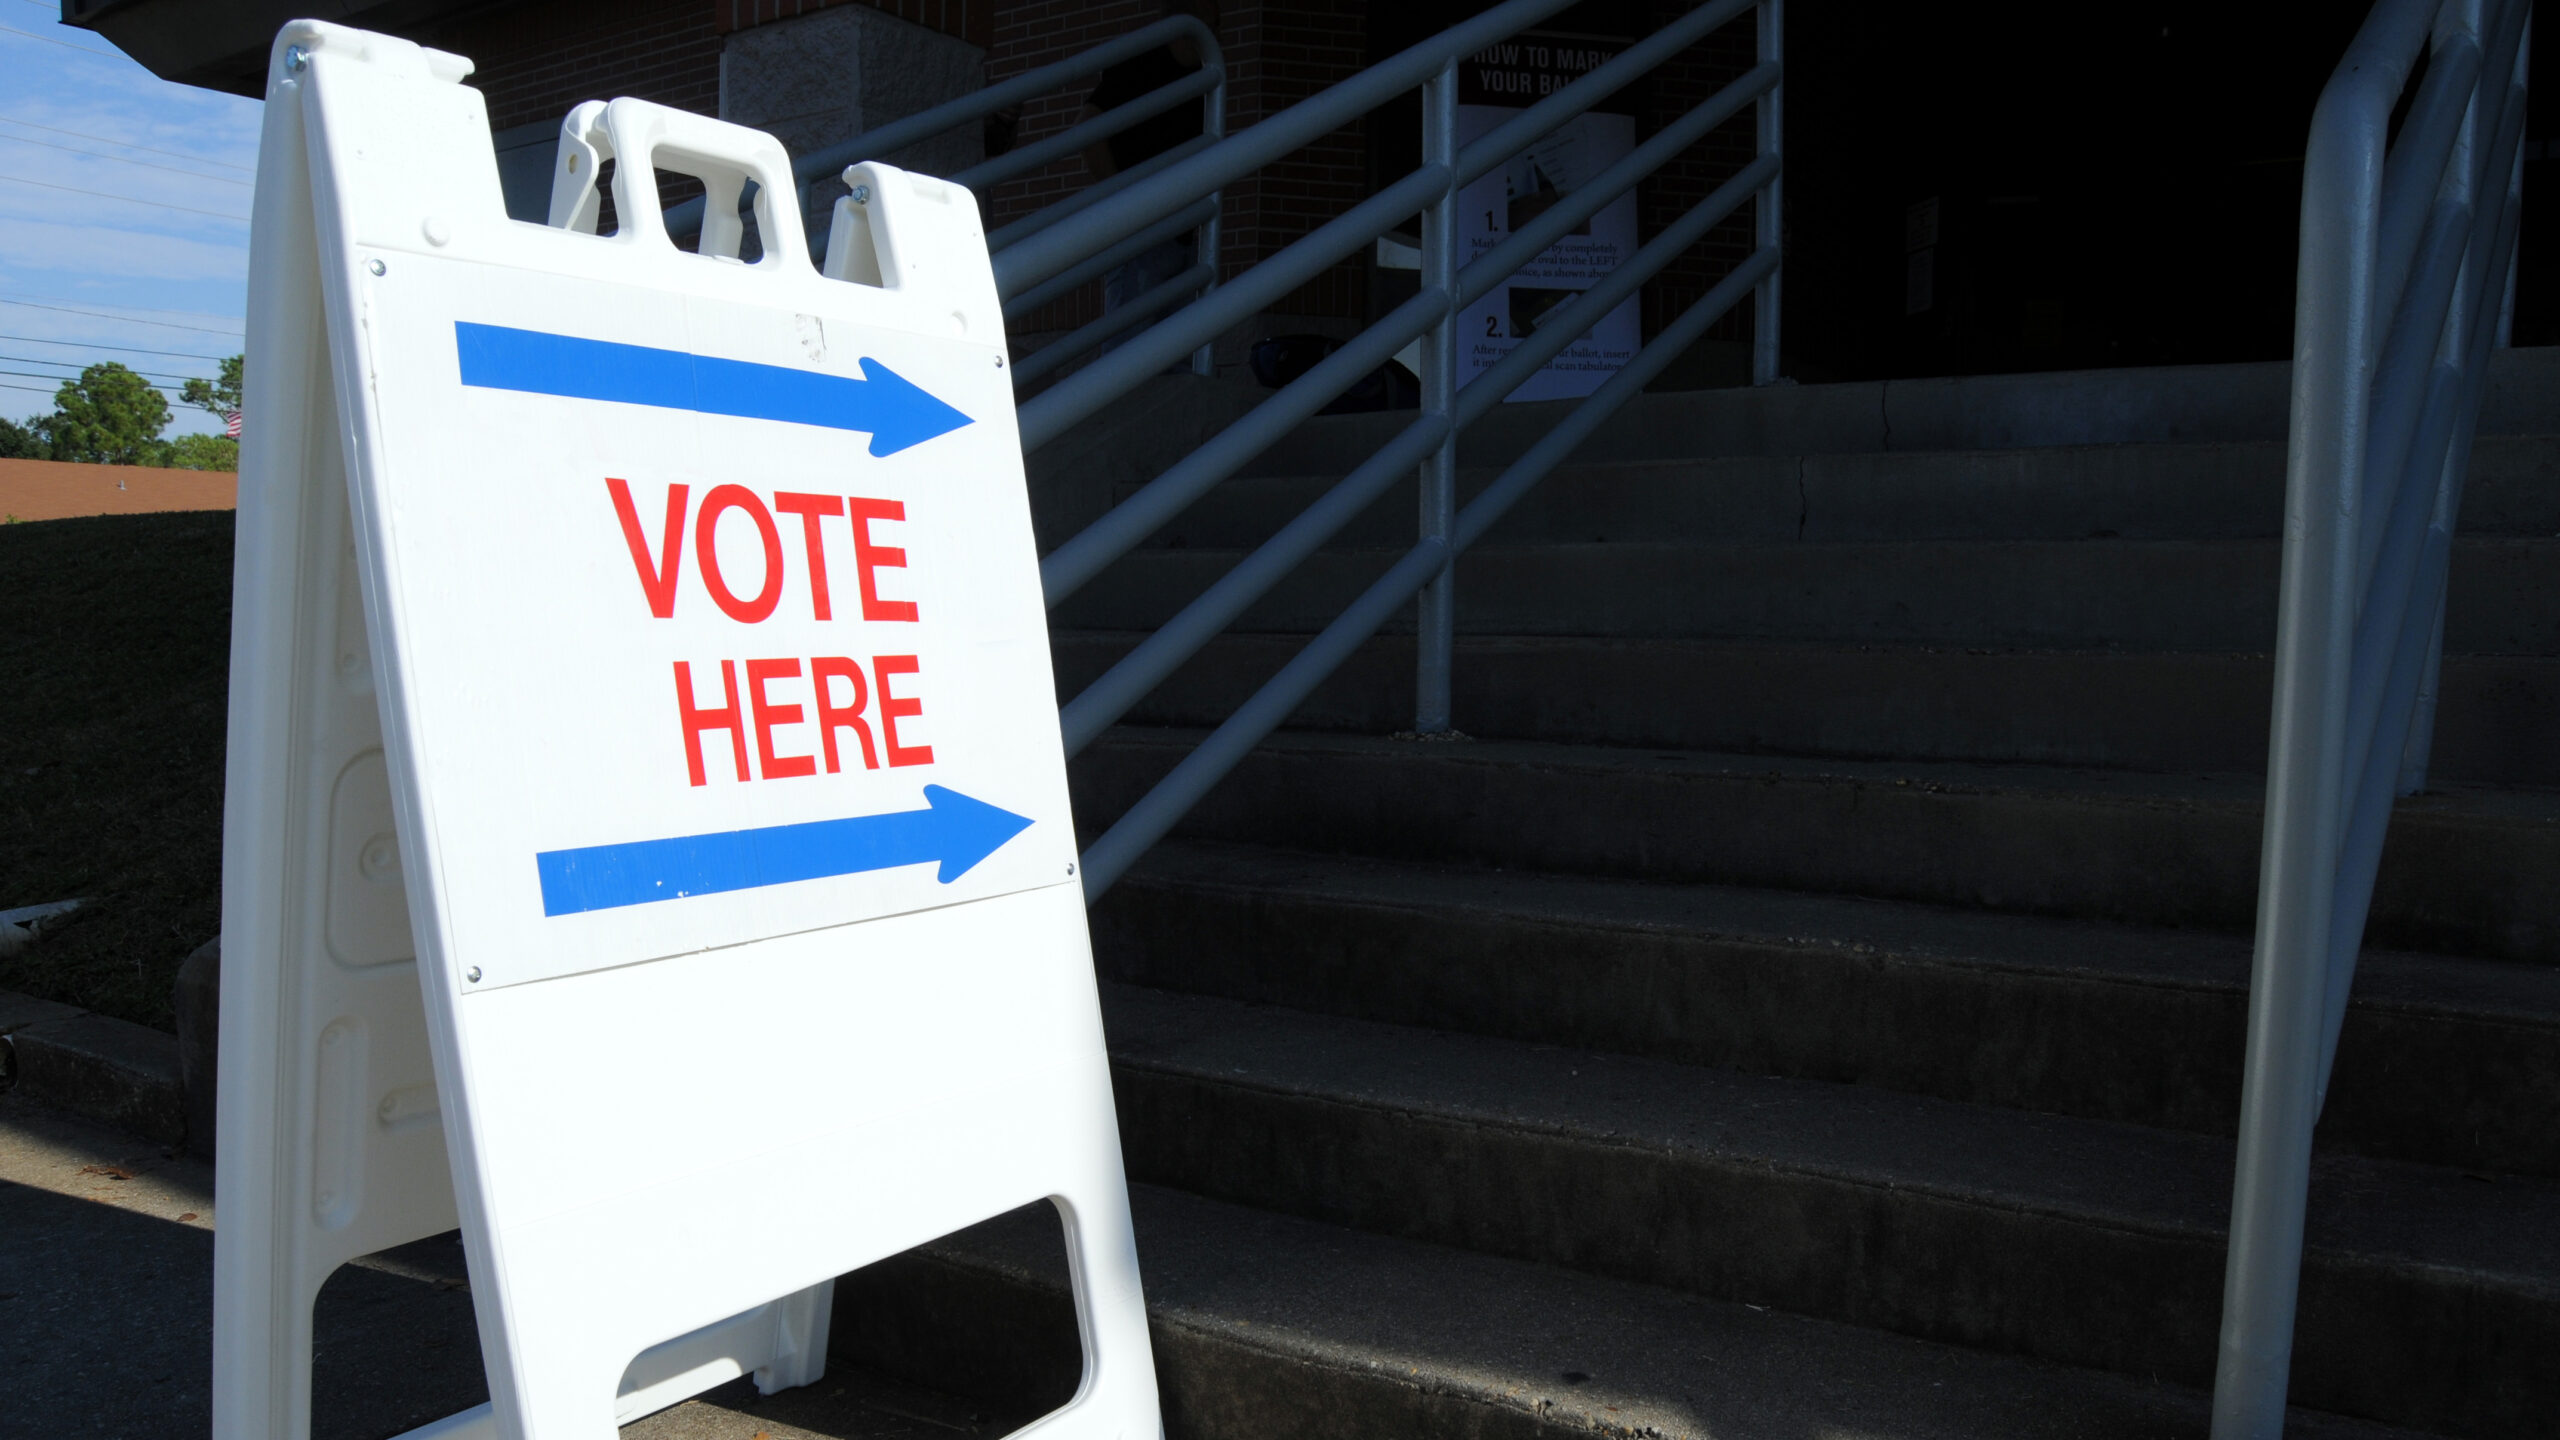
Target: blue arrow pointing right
(953, 831)
(882, 404)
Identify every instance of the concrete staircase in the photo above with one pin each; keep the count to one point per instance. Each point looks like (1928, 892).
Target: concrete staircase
(1812, 1002)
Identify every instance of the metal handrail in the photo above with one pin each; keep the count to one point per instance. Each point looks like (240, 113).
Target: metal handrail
(1077, 247)
(1043, 257)
(2407, 252)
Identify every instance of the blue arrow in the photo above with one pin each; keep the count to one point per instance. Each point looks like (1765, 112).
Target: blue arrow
(882, 404)
(953, 831)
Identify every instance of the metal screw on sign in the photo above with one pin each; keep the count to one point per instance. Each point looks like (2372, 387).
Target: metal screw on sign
(1071, 869)
(376, 266)
(296, 59)
(472, 974)
(999, 362)
(861, 194)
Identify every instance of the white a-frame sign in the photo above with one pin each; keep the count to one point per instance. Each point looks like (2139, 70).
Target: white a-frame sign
(647, 841)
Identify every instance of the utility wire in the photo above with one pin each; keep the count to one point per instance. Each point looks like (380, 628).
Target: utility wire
(126, 319)
(77, 365)
(128, 199)
(65, 44)
(68, 379)
(126, 349)
(125, 160)
(123, 144)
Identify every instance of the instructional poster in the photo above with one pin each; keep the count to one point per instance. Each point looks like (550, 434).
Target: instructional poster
(1495, 84)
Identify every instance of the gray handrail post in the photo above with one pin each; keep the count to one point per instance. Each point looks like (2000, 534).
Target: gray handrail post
(2337, 331)
(1765, 220)
(1435, 613)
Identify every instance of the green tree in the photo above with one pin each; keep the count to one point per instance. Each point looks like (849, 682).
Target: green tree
(20, 442)
(220, 396)
(109, 416)
(202, 452)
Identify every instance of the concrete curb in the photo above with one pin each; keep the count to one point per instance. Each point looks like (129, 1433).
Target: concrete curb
(108, 1070)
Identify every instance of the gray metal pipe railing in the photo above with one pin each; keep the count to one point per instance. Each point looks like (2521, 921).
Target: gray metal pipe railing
(1052, 250)
(1072, 564)
(1112, 694)
(1025, 158)
(1181, 222)
(2406, 261)
(1037, 365)
(1088, 390)
(1094, 194)
(685, 219)
(1161, 808)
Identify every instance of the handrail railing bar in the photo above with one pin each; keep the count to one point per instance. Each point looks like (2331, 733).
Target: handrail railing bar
(1481, 275)
(686, 218)
(1558, 444)
(1093, 267)
(1065, 570)
(2499, 265)
(2414, 171)
(1498, 145)
(997, 169)
(2333, 343)
(1569, 321)
(2383, 678)
(1156, 813)
(1082, 720)
(1436, 488)
(1112, 694)
(2340, 340)
(1031, 368)
(1238, 300)
(1068, 567)
(1045, 254)
(2409, 348)
(1093, 194)
(2456, 233)
(1769, 210)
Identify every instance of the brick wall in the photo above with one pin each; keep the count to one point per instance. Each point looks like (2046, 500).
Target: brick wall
(535, 61)
(1674, 88)
(970, 20)
(1277, 53)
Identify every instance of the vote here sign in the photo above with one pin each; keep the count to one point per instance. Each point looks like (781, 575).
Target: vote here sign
(723, 617)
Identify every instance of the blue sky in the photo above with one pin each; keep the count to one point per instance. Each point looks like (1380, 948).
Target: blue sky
(85, 134)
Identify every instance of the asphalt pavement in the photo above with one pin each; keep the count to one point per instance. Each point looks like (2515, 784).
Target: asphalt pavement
(106, 1286)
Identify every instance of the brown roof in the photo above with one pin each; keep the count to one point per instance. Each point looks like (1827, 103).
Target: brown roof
(55, 490)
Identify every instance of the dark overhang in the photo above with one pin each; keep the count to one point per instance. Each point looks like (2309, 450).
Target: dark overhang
(222, 44)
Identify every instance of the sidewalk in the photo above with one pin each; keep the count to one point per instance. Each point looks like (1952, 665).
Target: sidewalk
(106, 1256)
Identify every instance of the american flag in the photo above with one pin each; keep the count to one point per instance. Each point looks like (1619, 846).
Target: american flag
(231, 424)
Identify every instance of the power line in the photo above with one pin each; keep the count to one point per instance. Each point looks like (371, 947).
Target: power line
(65, 44)
(125, 319)
(74, 364)
(126, 349)
(68, 379)
(122, 144)
(128, 199)
(125, 160)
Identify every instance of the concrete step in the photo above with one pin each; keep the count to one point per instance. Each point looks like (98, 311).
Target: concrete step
(2428, 1297)
(2466, 870)
(2070, 594)
(2444, 1061)
(2165, 711)
(2177, 404)
(2220, 491)
(1269, 1327)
